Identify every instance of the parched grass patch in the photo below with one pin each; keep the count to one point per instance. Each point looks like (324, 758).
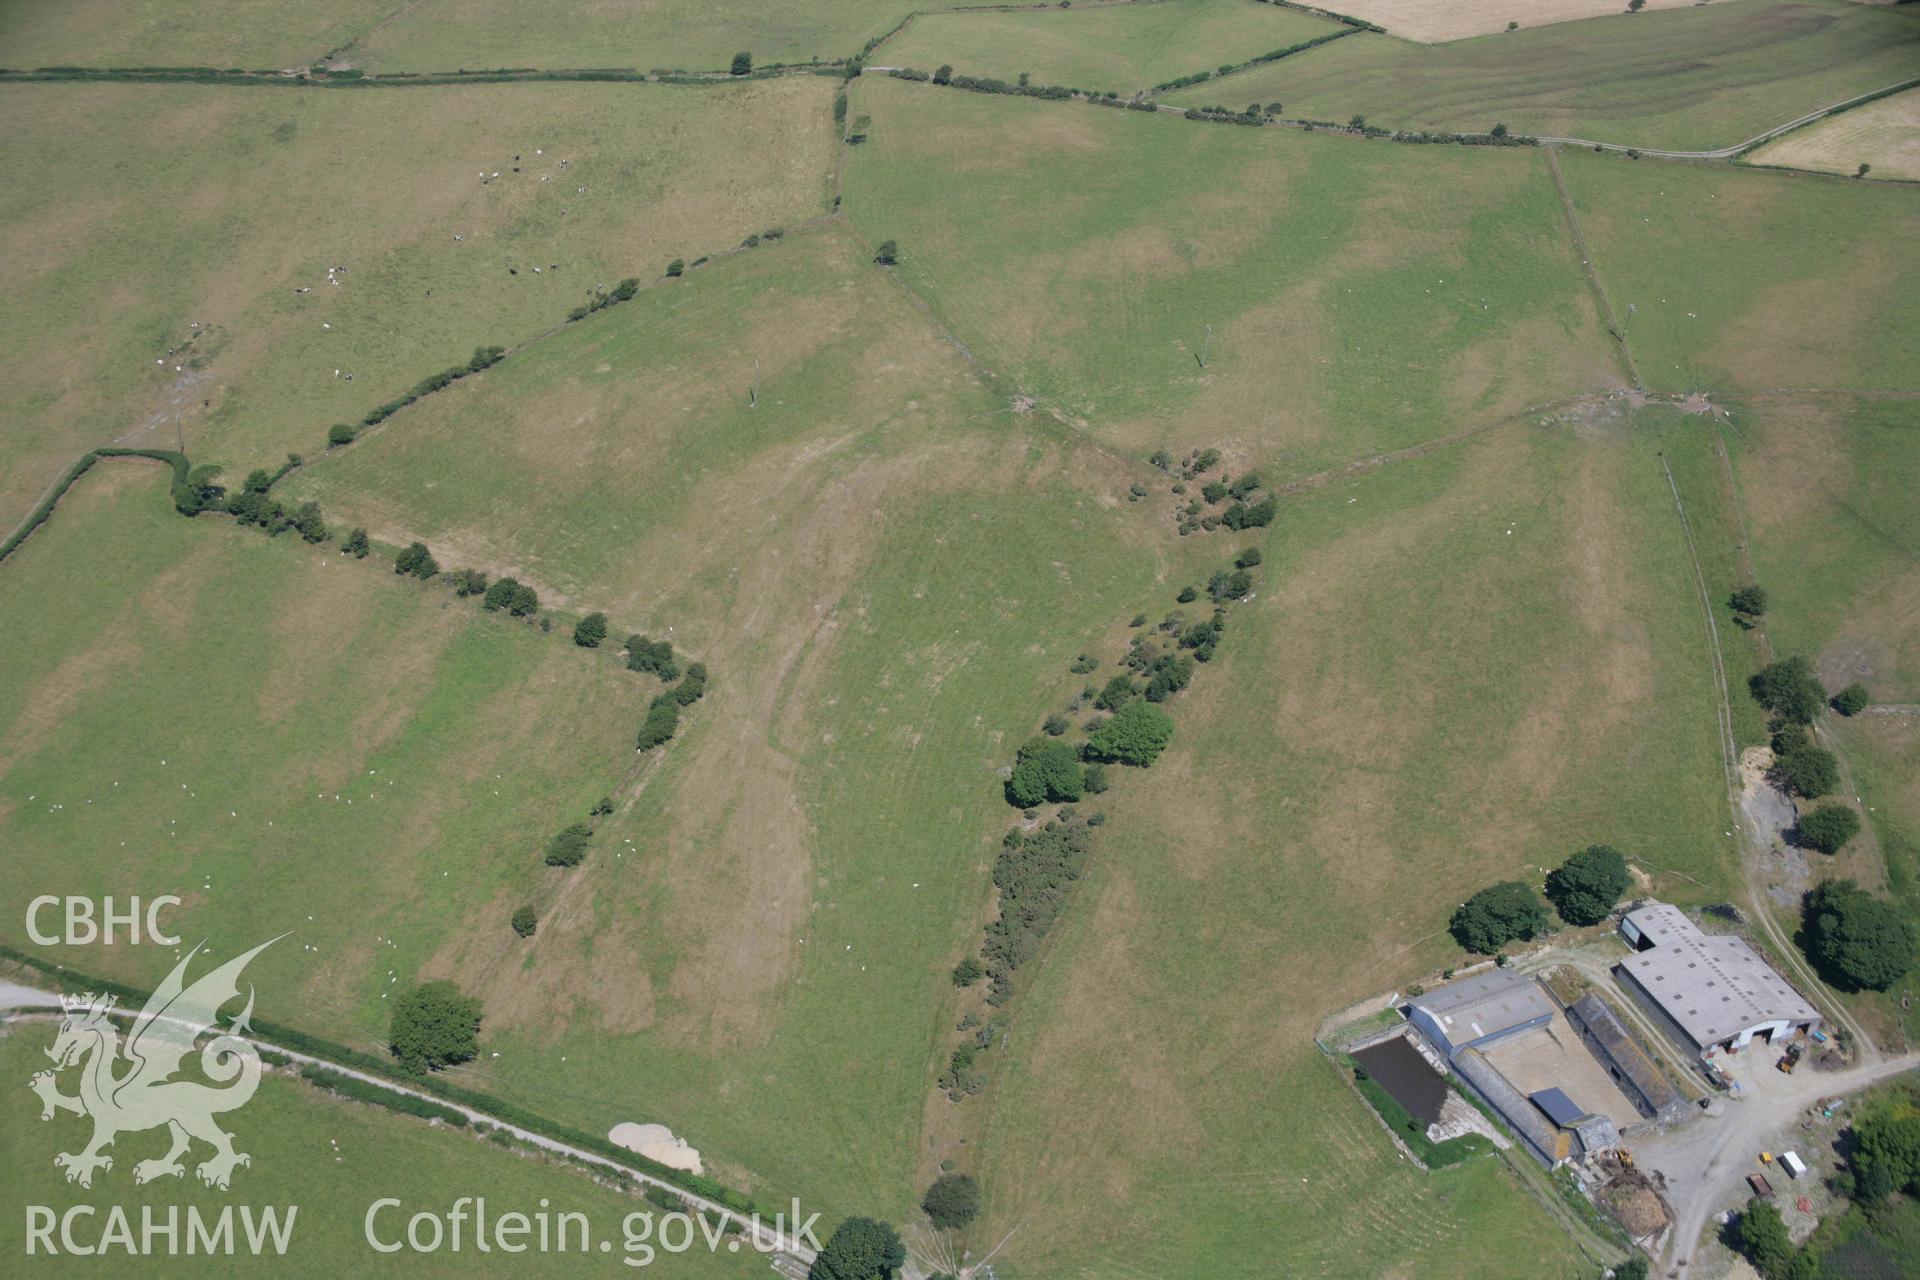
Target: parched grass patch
(1684, 79)
(154, 240)
(1883, 134)
(1432, 21)
(1742, 279)
(332, 1159)
(1462, 667)
(1122, 48)
(1361, 297)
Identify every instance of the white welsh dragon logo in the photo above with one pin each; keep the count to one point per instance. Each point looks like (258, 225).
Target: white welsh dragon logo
(146, 1095)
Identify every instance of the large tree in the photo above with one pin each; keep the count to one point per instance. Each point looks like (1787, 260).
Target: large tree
(1789, 689)
(859, 1249)
(1137, 735)
(1828, 828)
(1808, 772)
(952, 1201)
(1584, 888)
(1857, 939)
(1046, 769)
(1496, 916)
(434, 1026)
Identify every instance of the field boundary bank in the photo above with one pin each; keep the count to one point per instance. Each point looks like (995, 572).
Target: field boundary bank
(300, 1047)
(1591, 270)
(302, 79)
(1145, 102)
(43, 509)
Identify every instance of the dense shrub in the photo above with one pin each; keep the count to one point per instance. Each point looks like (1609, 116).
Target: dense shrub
(618, 294)
(1136, 735)
(968, 972)
(1257, 516)
(1751, 601)
(525, 921)
(1886, 1152)
(742, 63)
(662, 722)
(416, 560)
(1852, 700)
(1094, 779)
(1203, 637)
(1496, 916)
(468, 582)
(1054, 725)
(694, 687)
(356, 545)
(590, 631)
(512, 595)
(366, 1091)
(1224, 586)
(1117, 693)
(1168, 675)
(652, 656)
(1247, 559)
(569, 848)
(338, 434)
(1033, 874)
(1761, 1237)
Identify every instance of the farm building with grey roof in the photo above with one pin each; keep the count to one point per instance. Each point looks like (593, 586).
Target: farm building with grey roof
(1479, 1010)
(1709, 990)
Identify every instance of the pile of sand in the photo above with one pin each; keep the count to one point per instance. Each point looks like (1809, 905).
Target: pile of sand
(656, 1142)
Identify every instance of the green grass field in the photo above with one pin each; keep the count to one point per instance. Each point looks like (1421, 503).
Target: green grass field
(1361, 297)
(132, 212)
(1122, 48)
(691, 35)
(330, 1158)
(889, 506)
(1750, 281)
(251, 34)
(1681, 79)
(1458, 669)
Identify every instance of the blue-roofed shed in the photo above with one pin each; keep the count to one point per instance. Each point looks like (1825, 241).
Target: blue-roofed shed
(1559, 1107)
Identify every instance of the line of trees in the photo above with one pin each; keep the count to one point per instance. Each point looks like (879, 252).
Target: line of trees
(1583, 890)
